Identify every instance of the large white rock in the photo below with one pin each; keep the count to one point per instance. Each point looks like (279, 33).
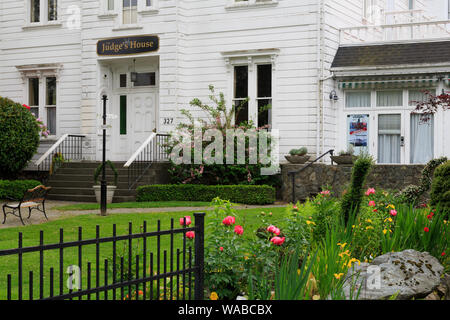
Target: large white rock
(407, 274)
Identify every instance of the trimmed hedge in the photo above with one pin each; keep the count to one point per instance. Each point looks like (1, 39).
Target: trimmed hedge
(16, 188)
(245, 194)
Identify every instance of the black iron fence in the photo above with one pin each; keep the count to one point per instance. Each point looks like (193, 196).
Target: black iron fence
(71, 148)
(154, 151)
(171, 271)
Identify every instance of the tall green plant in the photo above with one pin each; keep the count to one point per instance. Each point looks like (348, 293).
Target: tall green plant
(290, 280)
(352, 199)
(440, 191)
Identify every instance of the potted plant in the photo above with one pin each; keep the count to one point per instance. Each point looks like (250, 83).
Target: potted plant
(109, 188)
(345, 157)
(298, 156)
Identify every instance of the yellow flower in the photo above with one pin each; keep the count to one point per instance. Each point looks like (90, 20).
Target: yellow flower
(390, 206)
(353, 226)
(369, 221)
(342, 245)
(346, 252)
(298, 271)
(369, 227)
(388, 219)
(338, 275)
(316, 297)
(213, 296)
(245, 257)
(353, 260)
(310, 222)
(384, 231)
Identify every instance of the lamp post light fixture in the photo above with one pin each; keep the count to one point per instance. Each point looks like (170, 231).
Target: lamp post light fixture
(103, 181)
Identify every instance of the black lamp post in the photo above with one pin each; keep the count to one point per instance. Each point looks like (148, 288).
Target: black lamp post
(103, 181)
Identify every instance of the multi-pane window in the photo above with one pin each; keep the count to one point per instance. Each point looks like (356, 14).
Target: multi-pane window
(416, 96)
(264, 94)
(422, 138)
(33, 96)
(50, 103)
(390, 98)
(241, 94)
(129, 11)
(43, 11)
(357, 99)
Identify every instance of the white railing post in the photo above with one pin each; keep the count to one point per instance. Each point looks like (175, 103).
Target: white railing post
(52, 148)
(138, 151)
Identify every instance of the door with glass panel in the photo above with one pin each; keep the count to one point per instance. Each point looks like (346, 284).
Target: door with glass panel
(422, 138)
(389, 138)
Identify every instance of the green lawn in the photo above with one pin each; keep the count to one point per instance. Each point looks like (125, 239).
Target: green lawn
(152, 204)
(9, 239)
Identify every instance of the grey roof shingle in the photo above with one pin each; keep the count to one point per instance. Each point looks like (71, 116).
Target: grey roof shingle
(392, 54)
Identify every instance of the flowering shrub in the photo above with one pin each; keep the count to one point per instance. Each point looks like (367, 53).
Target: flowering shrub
(19, 137)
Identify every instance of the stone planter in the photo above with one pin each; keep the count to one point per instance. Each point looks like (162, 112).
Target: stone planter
(297, 159)
(346, 159)
(109, 193)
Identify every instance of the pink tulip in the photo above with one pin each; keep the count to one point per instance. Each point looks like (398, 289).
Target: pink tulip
(277, 240)
(370, 191)
(393, 212)
(190, 234)
(371, 203)
(325, 192)
(238, 230)
(221, 248)
(188, 220)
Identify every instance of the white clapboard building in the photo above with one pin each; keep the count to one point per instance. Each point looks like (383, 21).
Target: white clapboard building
(323, 65)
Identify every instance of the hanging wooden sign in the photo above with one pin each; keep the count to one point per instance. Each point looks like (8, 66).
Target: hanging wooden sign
(127, 45)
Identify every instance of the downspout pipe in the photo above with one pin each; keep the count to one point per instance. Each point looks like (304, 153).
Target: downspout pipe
(319, 108)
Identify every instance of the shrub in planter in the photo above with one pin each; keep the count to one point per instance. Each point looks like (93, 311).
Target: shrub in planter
(440, 189)
(110, 189)
(15, 189)
(298, 155)
(246, 194)
(19, 137)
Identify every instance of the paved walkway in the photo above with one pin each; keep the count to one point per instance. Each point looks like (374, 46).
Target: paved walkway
(52, 214)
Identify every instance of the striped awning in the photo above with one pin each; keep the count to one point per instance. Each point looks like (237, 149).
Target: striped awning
(389, 83)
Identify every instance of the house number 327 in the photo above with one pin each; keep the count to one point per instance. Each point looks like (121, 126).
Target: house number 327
(168, 121)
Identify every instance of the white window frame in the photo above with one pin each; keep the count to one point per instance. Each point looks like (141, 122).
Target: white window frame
(43, 15)
(42, 72)
(252, 62)
(144, 9)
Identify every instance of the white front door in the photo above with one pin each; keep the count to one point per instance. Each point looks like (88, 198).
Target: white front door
(136, 120)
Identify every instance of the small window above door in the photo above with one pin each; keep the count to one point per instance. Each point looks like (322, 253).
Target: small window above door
(145, 79)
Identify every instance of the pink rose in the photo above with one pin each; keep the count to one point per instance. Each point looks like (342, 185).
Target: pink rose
(228, 221)
(190, 234)
(393, 212)
(238, 230)
(370, 191)
(221, 248)
(188, 220)
(277, 240)
(274, 230)
(372, 203)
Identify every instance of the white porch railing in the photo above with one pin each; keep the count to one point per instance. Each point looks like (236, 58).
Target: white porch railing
(396, 32)
(154, 149)
(69, 147)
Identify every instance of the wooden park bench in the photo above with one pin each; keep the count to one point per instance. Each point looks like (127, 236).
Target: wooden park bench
(33, 199)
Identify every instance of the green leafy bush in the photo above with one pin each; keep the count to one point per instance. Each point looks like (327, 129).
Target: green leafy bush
(412, 194)
(440, 189)
(352, 199)
(16, 188)
(19, 137)
(210, 171)
(246, 194)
